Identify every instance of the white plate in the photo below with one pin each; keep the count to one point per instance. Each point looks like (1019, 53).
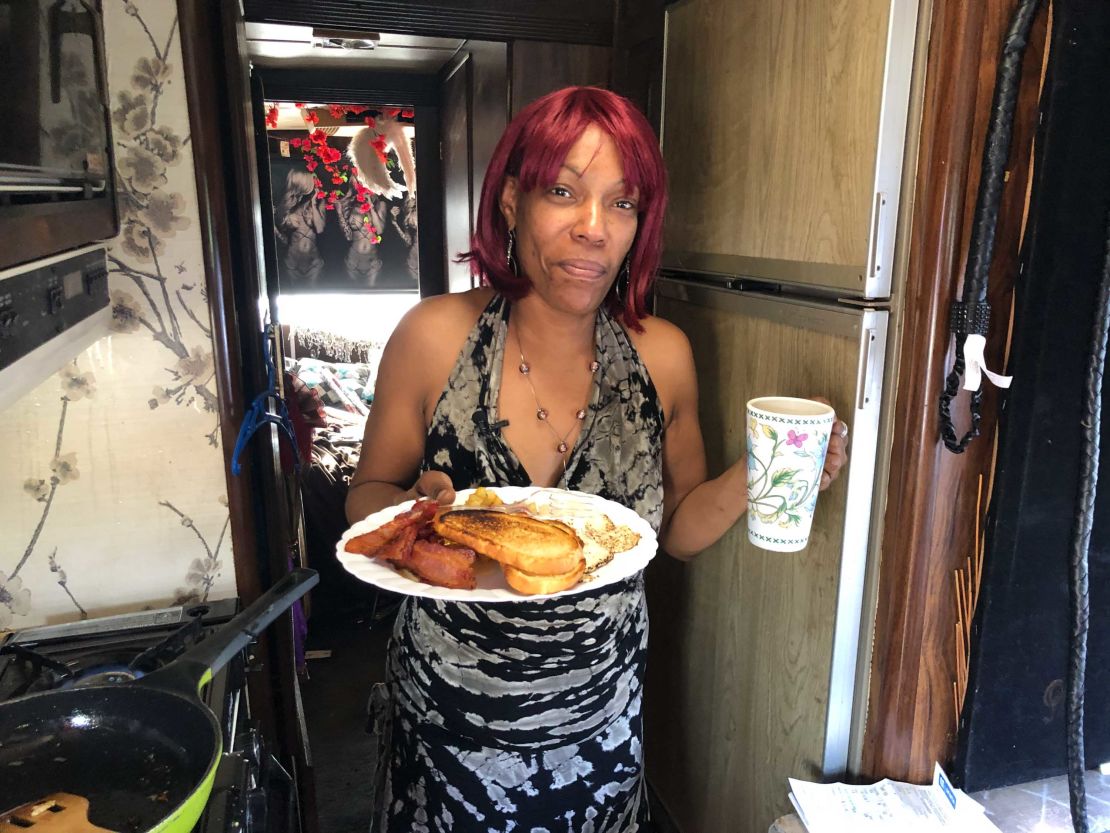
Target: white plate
(491, 582)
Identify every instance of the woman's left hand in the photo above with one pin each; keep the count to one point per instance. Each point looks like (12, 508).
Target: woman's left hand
(837, 455)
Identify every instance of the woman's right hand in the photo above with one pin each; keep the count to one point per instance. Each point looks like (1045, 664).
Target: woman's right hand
(435, 485)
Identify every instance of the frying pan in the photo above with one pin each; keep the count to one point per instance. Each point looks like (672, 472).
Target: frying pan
(143, 753)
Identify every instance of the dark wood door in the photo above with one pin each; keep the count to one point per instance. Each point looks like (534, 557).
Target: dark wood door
(458, 196)
(474, 104)
(638, 55)
(538, 68)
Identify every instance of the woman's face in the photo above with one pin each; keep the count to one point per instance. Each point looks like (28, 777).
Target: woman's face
(572, 237)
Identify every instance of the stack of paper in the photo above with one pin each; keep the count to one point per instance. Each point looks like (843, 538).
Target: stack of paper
(888, 806)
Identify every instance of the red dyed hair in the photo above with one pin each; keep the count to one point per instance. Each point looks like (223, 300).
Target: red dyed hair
(533, 149)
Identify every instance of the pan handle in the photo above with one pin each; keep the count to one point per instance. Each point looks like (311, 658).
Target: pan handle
(195, 667)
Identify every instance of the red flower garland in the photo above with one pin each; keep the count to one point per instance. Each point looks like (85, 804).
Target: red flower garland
(338, 172)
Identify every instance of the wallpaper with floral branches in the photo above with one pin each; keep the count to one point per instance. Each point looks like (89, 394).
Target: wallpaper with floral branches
(112, 490)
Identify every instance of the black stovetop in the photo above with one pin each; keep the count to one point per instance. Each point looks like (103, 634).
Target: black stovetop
(116, 649)
(109, 649)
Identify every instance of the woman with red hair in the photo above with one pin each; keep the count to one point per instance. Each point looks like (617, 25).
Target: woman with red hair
(527, 716)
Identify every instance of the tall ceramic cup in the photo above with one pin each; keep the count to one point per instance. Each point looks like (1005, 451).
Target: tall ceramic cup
(787, 441)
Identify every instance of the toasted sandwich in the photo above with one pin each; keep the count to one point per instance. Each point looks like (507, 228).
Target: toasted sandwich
(521, 542)
(533, 585)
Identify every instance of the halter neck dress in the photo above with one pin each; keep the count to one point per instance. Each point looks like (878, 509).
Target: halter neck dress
(526, 717)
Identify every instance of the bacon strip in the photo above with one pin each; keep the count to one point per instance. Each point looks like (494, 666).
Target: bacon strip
(443, 566)
(370, 542)
(409, 542)
(400, 548)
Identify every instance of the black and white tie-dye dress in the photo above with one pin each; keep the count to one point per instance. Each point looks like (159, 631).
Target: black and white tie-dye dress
(526, 717)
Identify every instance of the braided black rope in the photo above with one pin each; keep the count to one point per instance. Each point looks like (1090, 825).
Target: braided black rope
(996, 151)
(951, 389)
(1080, 547)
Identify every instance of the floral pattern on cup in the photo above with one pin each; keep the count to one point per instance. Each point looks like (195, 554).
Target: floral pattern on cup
(779, 489)
(786, 456)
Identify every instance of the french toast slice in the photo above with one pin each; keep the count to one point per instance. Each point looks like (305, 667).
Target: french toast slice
(541, 548)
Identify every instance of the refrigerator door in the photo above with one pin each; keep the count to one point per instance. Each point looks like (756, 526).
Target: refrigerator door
(783, 131)
(753, 654)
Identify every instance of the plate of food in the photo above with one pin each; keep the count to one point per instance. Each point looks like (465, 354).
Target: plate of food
(506, 544)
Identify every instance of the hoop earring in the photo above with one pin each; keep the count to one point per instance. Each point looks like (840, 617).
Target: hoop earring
(510, 264)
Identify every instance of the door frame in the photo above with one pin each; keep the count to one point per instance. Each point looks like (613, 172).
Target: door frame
(263, 537)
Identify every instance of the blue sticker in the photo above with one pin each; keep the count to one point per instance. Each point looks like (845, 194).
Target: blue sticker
(942, 780)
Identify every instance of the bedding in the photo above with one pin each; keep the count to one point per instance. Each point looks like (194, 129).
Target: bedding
(348, 386)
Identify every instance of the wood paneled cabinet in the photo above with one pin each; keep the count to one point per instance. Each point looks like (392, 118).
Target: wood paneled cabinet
(783, 130)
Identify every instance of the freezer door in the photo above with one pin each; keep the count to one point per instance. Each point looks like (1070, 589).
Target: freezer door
(753, 654)
(784, 126)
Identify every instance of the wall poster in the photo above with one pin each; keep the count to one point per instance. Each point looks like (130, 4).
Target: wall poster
(343, 182)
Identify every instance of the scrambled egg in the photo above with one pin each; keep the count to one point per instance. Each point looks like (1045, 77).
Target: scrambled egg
(602, 540)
